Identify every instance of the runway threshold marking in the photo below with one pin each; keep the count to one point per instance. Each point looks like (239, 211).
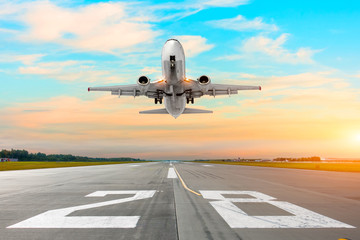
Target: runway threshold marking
(58, 218)
(171, 173)
(184, 185)
(298, 217)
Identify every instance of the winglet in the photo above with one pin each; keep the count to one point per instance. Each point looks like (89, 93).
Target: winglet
(88, 89)
(260, 88)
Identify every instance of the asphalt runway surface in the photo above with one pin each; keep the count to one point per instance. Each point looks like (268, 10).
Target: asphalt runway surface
(150, 201)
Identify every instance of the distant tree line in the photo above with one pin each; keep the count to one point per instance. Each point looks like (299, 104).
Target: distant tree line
(303, 159)
(23, 155)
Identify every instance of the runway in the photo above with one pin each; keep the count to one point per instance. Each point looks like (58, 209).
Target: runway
(150, 201)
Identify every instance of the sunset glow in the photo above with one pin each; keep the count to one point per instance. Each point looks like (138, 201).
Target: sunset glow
(51, 52)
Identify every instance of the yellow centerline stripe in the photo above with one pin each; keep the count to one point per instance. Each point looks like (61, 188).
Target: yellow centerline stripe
(184, 185)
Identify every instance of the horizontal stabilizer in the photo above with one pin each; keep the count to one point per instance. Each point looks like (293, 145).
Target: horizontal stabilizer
(194, 110)
(155, 111)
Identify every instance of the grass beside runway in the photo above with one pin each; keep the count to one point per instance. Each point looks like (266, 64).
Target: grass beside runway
(324, 166)
(4, 166)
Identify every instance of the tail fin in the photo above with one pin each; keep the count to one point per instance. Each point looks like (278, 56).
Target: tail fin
(155, 111)
(194, 110)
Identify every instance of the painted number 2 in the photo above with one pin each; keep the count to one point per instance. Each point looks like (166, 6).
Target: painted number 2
(58, 218)
(237, 218)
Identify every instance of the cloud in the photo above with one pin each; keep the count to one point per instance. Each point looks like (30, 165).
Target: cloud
(194, 45)
(174, 11)
(10, 8)
(6, 30)
(68, 71)
(46, 68)
(274, 49)
(307, 113)
(95, 27)
(108, 126)
(267, 49)
(302, 80)
(240, 23)
(224, 3)
(110, 27)
(150, 70)
(25, 59)
(35, 110)
(246, 75)
(314, 95)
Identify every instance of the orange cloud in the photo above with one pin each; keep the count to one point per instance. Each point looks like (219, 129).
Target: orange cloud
(108, 126)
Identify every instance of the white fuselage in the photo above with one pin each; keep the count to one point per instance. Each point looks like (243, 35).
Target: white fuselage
(173, 71)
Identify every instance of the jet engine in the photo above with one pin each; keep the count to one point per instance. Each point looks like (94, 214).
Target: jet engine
(204, 80)
(204, 83)
(143, 81)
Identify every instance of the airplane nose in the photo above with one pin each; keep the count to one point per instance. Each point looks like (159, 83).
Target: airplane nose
(172, 39)
(172, 47)
(171, 44)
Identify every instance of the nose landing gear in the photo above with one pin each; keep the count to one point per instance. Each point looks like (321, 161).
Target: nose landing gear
(172, 61)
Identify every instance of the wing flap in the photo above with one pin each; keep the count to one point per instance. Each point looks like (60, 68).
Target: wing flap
(154, 90)
(116, 88)
(226, 87)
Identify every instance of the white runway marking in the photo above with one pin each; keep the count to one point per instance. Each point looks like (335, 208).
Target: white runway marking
(236, 218)
(172, 173)
(58, 218)
(134, 165)
(207, 165)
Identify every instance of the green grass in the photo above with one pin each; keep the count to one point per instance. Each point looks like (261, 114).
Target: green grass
(324, 166)
(4, 166)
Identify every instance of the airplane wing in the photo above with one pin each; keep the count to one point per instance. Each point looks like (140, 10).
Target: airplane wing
(153, 90)
(215, 89)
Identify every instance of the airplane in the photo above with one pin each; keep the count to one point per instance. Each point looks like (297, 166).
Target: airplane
(174, 89)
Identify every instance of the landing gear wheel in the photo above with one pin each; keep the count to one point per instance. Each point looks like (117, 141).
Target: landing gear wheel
(192, 100)
(156, 100)
(160, 100)
(187, 100)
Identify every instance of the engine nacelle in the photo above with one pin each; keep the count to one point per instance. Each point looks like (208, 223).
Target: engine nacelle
(143, 81)
(204, 80)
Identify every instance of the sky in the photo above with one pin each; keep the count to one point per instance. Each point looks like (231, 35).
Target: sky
(304, 54)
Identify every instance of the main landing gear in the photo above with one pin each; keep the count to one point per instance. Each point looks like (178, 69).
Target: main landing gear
(158, 100)
(189, 100)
